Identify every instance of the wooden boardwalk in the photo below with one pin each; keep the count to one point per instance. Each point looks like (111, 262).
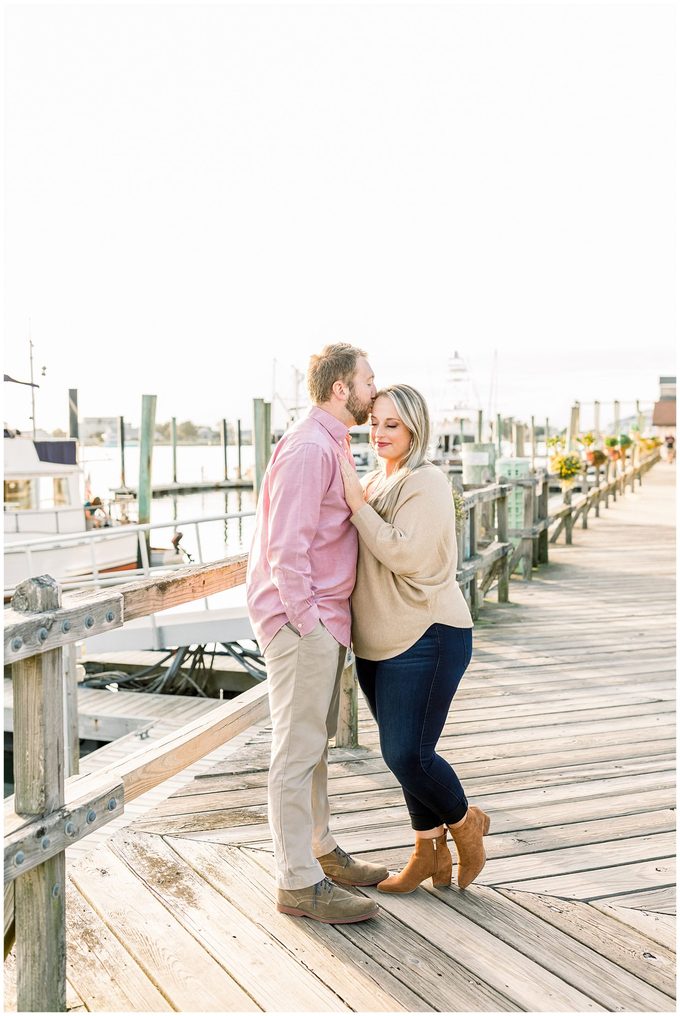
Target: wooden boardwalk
(562, 730)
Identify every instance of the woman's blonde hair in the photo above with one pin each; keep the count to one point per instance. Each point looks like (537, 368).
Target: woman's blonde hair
(412, 410)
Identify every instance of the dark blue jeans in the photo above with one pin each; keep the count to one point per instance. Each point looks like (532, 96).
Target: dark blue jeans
(409, 697)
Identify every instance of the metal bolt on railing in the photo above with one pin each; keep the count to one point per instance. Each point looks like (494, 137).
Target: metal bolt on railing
(89, 621)
(91, 816)
(113, 804)
(19, 857)
(42, 634)
(45, 842)
(56, 889)
(17, 644)
(109, 616)
(70, 829)
(65, 626)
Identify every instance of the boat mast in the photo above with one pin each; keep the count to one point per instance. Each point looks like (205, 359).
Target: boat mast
(30, 354)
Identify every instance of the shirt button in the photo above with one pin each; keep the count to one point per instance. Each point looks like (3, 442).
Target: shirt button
(300, 627)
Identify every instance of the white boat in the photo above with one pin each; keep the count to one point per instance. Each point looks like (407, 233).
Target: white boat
(44, 500)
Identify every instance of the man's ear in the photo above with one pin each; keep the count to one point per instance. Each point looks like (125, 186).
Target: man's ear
(340, 390)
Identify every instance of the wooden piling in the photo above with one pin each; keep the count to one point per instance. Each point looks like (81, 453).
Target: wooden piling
(532, 438)
(261, 439)
(40, 913)
(238, 449)
(518, 439)
(146, 436)
(73, 413)
(573, 428)
(173, 439)
(480, 425)
(499, 434)
(225, 439)
(121, 447)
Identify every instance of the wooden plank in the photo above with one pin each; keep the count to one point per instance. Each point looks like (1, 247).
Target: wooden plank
(660, 928)
(586, 857)
(225, 932)
(75, 620)
(596, 927)
(170, 957)
(153, 595)
(106, 975)
(586, 967)
(660, 901)
(366, 979)
(603, 883)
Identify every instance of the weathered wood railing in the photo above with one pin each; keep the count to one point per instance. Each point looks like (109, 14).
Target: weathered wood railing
(543, 522)
(50, 812)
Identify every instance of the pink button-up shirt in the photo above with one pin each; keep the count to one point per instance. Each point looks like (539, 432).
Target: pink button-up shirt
(303, 558)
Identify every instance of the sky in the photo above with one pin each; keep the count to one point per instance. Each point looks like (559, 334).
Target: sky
(197, 197)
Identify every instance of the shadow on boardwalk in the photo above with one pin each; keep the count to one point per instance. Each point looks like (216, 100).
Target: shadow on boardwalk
(562, 730)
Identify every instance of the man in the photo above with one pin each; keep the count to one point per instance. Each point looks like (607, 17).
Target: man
(301, 573)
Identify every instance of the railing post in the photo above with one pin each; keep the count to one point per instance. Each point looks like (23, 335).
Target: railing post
(543, 536)
(527, 526)
(598, 481)
(584, 490)
(347, 735)
(40, 914)
(502, 535)
(474, 592)
(568, 519)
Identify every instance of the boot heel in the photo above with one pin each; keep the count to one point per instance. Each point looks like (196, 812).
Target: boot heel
(441, 885)
(487, 824)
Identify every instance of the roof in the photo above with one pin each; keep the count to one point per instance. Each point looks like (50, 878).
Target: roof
(664, 413)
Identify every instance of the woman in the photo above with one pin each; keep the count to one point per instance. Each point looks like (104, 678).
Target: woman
(412, 633)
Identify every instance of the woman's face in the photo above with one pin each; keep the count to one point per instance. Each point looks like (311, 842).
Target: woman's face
(390, 436)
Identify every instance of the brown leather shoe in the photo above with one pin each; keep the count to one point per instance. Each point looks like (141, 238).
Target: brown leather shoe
(344, 870)
(431, 858)
(468, 838)
(325, 902)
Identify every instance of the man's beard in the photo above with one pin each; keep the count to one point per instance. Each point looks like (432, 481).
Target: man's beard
(357, 409)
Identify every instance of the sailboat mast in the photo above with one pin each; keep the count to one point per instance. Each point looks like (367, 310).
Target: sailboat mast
(30, 354)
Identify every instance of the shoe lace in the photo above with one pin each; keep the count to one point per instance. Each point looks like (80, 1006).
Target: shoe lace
(343, 856)
(324, 886)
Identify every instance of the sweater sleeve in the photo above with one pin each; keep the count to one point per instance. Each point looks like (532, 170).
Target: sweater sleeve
(407, 544)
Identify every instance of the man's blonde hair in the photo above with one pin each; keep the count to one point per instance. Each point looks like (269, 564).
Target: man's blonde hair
(336, 362)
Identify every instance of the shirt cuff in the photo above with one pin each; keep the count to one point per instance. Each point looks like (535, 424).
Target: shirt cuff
(306, 622)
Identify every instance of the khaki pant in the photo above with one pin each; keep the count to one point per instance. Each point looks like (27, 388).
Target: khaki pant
(303, 675)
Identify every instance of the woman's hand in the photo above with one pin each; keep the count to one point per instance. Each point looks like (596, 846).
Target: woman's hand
(354, 492)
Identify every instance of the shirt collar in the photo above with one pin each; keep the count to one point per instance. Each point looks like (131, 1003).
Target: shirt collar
(335, 427)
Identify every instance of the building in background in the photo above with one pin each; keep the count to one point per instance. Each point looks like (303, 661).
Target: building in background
(663, 417)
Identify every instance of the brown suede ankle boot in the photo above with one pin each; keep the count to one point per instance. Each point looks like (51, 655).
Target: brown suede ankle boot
(431, 858)
(470, 844)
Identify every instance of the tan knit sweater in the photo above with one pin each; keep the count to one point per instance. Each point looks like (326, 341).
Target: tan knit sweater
(406, 574)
